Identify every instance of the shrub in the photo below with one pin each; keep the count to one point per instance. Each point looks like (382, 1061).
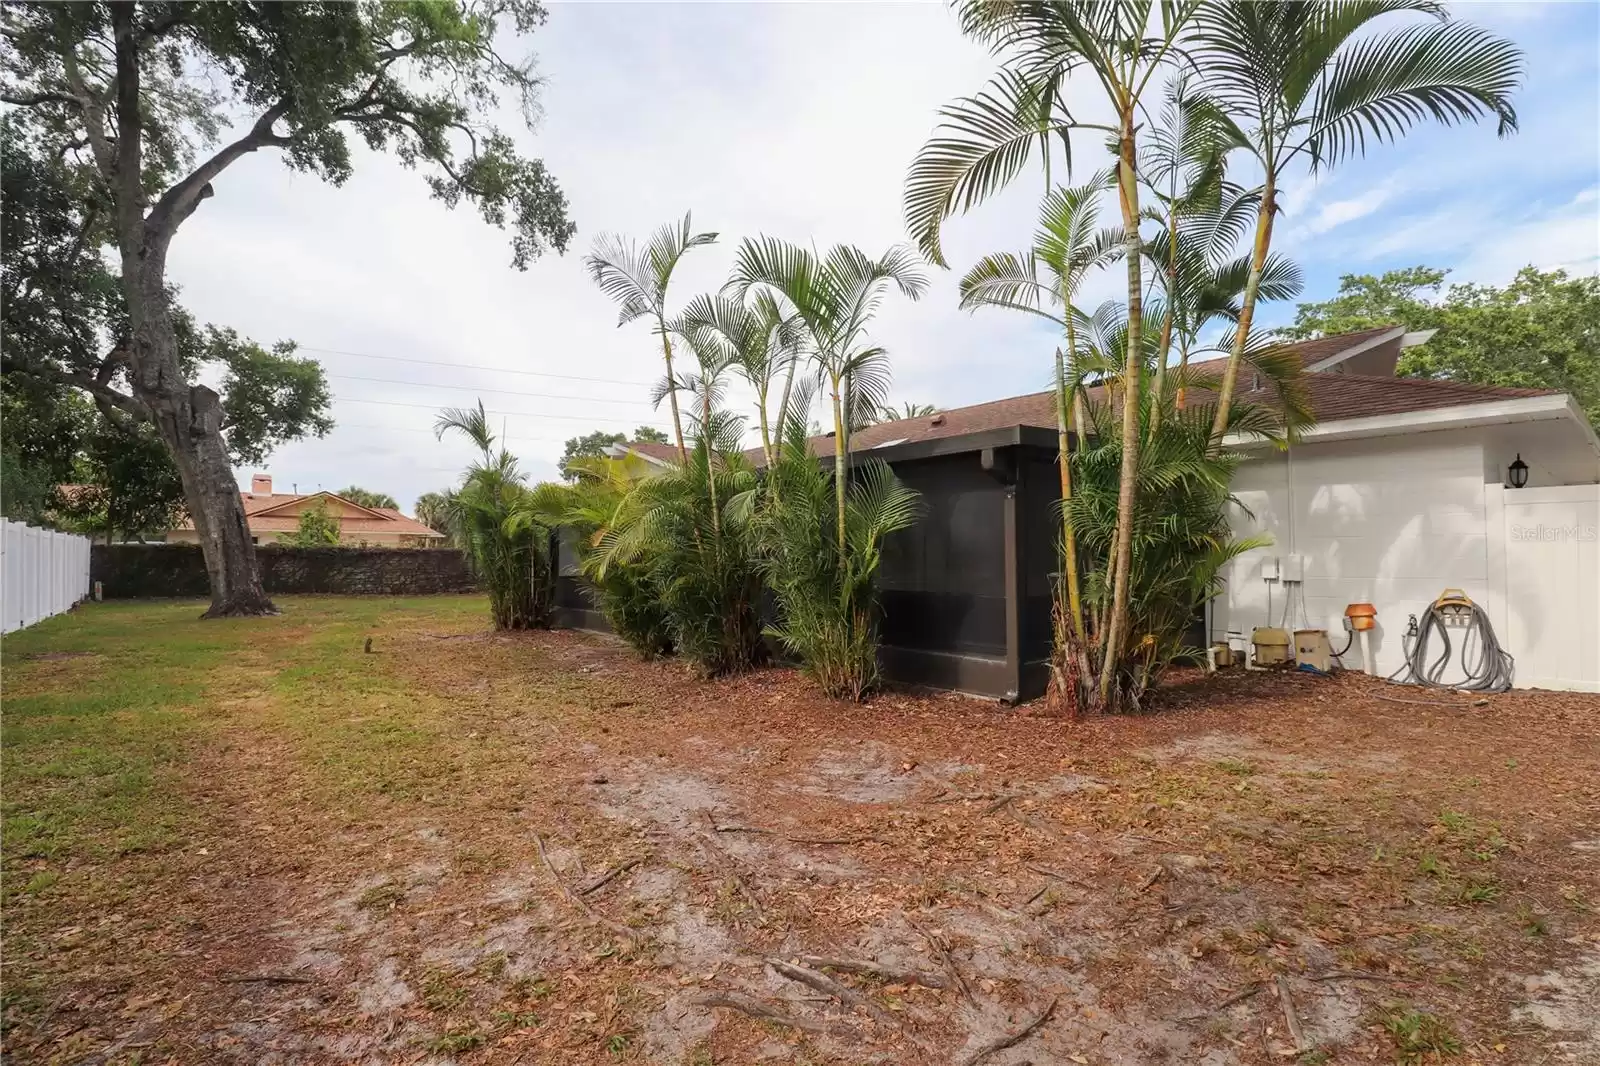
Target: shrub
(827, 597)
(492, 516)
(1181, 537)
(687, 532)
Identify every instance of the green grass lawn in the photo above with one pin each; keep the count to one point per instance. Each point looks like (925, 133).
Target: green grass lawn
(104, 705)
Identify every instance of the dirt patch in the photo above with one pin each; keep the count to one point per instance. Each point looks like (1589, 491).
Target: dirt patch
(739, 871)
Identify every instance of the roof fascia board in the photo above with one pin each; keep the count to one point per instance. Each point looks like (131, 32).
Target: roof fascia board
(1355, 350)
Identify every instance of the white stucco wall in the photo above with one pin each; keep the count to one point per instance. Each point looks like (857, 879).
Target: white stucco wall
(1394, 521)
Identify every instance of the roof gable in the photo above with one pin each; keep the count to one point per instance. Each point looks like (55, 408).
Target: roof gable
(342, 508)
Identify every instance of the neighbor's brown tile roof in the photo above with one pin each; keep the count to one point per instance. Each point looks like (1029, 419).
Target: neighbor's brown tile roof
(392, 521)
(666, 453)
(1334, 397)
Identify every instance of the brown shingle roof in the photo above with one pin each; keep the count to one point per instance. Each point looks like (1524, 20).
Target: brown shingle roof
(1334, 397)
(666, 453)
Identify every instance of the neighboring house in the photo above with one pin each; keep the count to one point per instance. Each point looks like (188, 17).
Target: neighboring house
(275, 516)
(1398, 492)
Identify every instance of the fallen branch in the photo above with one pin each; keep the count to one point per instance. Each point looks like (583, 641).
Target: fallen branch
(1290, 1016)
(576, 900)
(1155, 875)
(846, 995)
(961, 797)
(719, 859)
(1033, 823)
(1238, 997)
(997, 1046)
(746, 1005)
(1354, 975)
(793, 840)
(1056, 875)
(943, 953)
(888, 974)
(611, 875)
(267, 978)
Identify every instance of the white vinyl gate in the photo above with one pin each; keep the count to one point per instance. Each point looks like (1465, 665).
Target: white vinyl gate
(1544, 583)
(42, 573)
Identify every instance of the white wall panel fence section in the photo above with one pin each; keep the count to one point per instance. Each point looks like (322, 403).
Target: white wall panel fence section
(1544, 582)
(1395, 522)
(42, 573)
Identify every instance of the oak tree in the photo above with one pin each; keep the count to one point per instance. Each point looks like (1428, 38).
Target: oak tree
(131, 97)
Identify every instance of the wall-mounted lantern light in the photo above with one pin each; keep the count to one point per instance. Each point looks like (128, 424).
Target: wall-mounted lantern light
(1518, 472)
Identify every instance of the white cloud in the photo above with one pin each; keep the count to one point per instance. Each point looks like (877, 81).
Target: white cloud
(794, 120)
(1338, 212)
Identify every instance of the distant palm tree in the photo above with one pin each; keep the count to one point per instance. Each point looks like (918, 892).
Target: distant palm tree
(835, 297)
(1313, 80)
(433, 510)
(637, 279)
(890, 413)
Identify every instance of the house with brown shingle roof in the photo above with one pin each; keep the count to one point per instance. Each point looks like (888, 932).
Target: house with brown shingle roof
(274, 516)
(1404, 487)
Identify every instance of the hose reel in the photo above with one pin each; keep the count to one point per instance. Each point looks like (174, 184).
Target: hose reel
(1488, 666)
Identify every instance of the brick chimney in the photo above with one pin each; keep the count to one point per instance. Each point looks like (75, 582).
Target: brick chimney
(261, 484)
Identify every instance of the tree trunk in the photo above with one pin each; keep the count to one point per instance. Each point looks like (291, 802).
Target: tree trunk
(1164, 349)
(711, 466)
(1247, 312)
(1069, 541)
(766, 428)
(838, 467)
(783, 411)
(189, 419)
(1133, 369)
(672, 396)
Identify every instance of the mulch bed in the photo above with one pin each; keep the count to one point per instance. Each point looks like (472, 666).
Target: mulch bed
(645, 867)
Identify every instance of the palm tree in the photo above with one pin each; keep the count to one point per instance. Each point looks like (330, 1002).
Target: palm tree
(891, 413)
(834, 297)
(827, 596)
(637, 279)
(495, 523)
(986, 140)
(433, 510)
(1044, 281)
(703, 568)
(586, 510)
(758, 340)
(1311, 79)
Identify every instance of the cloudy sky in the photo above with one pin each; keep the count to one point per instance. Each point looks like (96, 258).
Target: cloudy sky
(795, 120)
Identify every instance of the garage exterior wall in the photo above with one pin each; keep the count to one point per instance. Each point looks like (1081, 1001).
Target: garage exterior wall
(1393, 521)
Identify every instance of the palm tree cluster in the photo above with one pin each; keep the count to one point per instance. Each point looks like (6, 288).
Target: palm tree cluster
(707, 558)
(1270, 90)
(491, 515)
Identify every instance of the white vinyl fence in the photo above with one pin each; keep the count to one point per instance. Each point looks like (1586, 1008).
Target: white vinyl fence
(43, 573)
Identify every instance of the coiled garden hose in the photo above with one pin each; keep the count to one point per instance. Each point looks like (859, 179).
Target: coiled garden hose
(1490, 670)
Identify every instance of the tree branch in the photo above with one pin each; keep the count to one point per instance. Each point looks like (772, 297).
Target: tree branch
(180, 201)
(94, 116)
(130, 139)
(35, 99)
(100, 391)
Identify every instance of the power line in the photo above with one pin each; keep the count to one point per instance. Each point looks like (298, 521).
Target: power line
(503, 392)
(429, 432)
(519, 414)
(469, 366)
